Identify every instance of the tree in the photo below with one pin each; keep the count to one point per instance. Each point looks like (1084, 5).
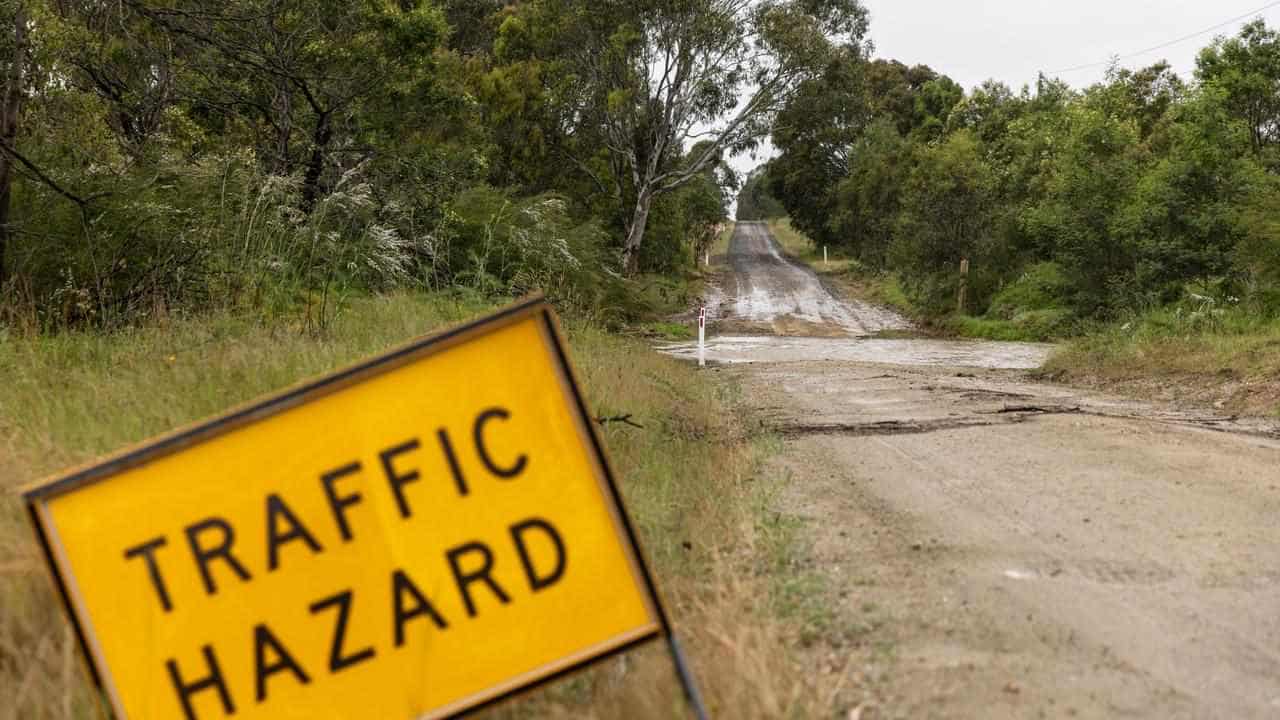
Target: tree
(946, 216)
(1184, 218)
(814, 131)
(867, 202)
(917, 98)
(1247, 68)
(656, 75)
(987, 111)
(825, 125)
(300, 72)
(1148, 94)
(13, 55)
(754, 201)
(116, 54)
(1081, 187)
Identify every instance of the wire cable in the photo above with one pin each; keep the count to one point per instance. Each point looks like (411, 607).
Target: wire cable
(1162, 46)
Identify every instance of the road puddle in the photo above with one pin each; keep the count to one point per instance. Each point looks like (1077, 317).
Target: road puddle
(896, 351)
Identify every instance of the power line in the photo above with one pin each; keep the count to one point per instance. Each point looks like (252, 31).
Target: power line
(1162, 46)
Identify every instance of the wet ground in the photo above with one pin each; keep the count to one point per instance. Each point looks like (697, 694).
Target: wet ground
(899, 351)
(766, 293)
(991, 546)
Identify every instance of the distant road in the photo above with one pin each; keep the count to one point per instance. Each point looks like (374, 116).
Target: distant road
(772, 293)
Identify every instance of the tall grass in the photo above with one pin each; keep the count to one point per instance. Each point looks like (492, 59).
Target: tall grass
(221, 233)
(690, 478)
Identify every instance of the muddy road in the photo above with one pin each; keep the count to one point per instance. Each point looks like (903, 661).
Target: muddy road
(767, 293)
(989, 546)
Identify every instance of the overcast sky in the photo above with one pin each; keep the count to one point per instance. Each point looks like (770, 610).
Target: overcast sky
(1013, 40)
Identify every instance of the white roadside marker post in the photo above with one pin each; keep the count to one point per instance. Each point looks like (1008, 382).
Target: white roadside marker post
(706, 258)
(824, 256)
(702, 336)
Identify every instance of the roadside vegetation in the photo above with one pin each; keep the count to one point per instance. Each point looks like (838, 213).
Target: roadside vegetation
(1139, 213)
(691, 478)
(1193, 350)
(278, 157)
(1229, 360)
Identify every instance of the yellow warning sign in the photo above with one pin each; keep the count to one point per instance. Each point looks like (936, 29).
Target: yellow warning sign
(410, 537)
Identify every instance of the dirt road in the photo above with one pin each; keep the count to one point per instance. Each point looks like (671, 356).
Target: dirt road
(772, 294)
(993, 547)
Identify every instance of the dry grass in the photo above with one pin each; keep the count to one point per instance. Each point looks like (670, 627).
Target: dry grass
(690, 477)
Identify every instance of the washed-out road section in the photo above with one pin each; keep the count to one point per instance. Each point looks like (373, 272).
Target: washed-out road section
(991, 546)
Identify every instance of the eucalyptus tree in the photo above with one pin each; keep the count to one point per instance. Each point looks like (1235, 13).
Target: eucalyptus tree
(652, 78)
(13, 63)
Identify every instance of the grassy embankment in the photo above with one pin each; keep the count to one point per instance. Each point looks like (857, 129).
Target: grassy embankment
(690, 478)
(690, 288)
(1228, 357)
(1230, 360)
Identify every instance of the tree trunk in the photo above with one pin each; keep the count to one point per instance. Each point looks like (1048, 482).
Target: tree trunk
(9, 131)
(635, 232)
(283, 107)
(315, 166)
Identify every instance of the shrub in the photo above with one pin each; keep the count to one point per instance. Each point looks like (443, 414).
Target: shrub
(504, 245)
(1042, 286)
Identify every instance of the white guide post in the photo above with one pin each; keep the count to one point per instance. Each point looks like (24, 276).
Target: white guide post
(706, 258)
(824, 256)
(702, 336)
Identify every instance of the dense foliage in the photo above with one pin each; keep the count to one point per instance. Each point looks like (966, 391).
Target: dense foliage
(279, 154)
(754, 200)
(1143, 190)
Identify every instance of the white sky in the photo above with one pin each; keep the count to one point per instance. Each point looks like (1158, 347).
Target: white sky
(1013, 40)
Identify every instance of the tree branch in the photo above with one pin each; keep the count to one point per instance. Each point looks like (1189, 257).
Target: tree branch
(82, 202)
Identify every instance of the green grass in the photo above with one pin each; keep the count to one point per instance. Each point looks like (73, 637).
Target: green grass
(1237, 342)
(690, 477)
(667, 330)
(1235, 353)
(886, 290)
(799, 593)
(798, 246)
(1027, 326)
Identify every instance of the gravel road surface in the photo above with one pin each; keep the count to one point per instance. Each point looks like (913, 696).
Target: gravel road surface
(995, 547)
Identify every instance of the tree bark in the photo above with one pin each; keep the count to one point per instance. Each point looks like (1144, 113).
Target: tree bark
(635, 232)
(9, 105)
(283, 126)
(315, 166)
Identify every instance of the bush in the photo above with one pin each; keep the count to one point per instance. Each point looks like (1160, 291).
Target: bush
(181, 236)
(1042, 286)
(1029, 326)
(498, 244)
